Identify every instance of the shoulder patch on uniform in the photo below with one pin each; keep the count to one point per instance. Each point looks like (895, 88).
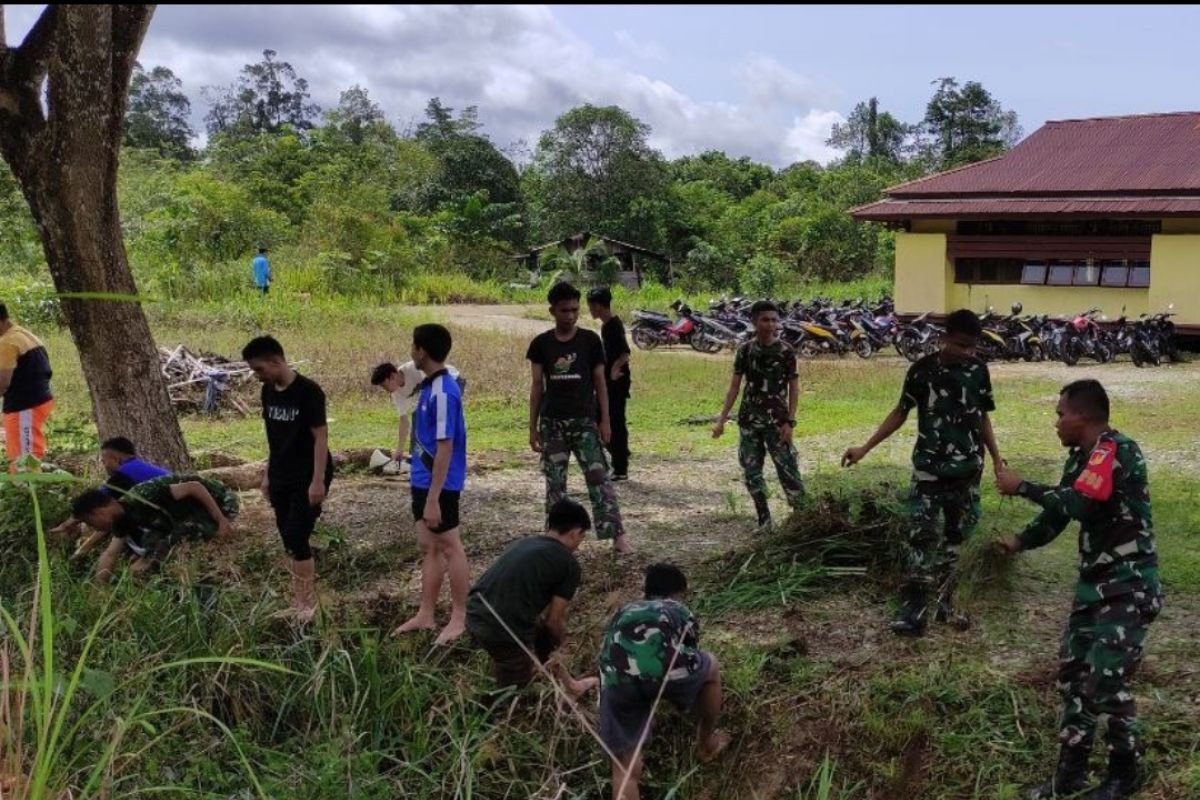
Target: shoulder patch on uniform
(1096, 480)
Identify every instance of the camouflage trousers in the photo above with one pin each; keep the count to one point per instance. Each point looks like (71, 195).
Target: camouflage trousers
(754, 444)
(1101, 651)
(560, 439)
(930, 558)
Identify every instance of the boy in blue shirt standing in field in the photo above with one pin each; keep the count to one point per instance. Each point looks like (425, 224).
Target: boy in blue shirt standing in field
(439, 471)
(262, 271)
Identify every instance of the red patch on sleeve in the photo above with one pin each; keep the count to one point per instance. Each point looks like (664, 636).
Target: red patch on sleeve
(1096, 481)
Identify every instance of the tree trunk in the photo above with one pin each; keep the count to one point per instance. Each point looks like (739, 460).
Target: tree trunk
(66, 164)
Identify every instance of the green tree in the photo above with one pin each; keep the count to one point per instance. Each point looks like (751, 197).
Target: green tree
(737, 178)
(266, 98)
(157, 116)
(356, 116)
(966, 124)
(870, 133)
(590, 168)
(468, 161)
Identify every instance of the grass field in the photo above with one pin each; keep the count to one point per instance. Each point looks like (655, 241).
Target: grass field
(822, 700)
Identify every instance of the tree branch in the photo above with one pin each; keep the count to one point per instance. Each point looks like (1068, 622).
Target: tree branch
(32, 58)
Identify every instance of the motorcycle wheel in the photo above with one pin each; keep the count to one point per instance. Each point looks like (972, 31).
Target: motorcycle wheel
(1035, 352)
(1139, 354)
(1072, 352)
(1104, 353)
(862, 347)
(909, 346)
(644, 339)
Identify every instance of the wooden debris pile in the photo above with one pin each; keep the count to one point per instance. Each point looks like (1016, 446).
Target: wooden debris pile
(206, 381)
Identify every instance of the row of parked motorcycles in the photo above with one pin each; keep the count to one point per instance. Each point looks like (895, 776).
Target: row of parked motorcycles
(815, 327)
(1147, 340)
(821, 326)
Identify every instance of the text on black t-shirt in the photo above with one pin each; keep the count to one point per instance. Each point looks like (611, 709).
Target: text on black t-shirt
(290, 415)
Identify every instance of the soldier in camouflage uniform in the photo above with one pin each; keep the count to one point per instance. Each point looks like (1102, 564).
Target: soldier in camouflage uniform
(767, 415)
(567, 396)
(952, 392)
(651, 649)
(153, 516)
(1117, 595)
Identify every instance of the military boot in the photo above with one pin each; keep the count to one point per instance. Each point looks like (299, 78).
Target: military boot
(1070, 777)
(913, 616)
(946, 612)
(1121, 781)
(764, 513)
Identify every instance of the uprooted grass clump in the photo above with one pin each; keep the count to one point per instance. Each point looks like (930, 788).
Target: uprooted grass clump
(847, 534)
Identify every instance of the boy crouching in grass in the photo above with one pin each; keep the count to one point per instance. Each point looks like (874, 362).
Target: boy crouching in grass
(652, 650)
(519, 606)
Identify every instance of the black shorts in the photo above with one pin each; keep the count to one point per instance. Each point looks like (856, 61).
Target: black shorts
(447, 501)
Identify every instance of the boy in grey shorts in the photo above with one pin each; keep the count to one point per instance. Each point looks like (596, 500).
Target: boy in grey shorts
(647, 643)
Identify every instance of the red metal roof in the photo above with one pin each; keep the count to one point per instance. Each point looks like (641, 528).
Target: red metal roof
(959, 207)
(1106, 167)
(1157, 153)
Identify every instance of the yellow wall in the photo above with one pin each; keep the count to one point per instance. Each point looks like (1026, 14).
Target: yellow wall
(933, 226)
(1181, 225)
(1175, 275)
(1053, 300)
(925, 281)
(923, 273)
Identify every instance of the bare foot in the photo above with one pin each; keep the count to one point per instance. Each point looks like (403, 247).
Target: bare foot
(452, 631)
(417, 623)
(578, 688)
(621, 544)
(303, 616)
(711, 747)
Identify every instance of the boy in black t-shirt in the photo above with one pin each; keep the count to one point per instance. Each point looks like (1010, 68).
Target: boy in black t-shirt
(299, 468)
(568, 385)
(616, 360)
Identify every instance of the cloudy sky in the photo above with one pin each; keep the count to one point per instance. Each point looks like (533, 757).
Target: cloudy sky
(765, 82)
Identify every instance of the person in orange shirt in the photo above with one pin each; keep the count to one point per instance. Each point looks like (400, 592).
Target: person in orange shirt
(25, 385)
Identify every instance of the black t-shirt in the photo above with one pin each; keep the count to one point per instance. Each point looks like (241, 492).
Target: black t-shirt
(290, 415)
(612, 333)
(519, 586)
(567, 373)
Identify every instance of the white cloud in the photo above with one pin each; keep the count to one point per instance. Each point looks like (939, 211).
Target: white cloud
(645, 49)
(518, 64)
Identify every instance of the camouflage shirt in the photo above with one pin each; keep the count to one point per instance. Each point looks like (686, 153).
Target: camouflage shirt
(154, 520)
(1106, 489)
(951, 401)
(767, 371)
(643, 637)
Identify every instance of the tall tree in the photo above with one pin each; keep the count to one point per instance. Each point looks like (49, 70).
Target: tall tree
(355, 115)
(469, 162)
(870, 133)
(966, 124)
(589, 170)
(158, 113)
(266, 97)
(77, 61)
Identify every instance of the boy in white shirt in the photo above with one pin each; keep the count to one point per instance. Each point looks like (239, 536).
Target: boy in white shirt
(403, 383)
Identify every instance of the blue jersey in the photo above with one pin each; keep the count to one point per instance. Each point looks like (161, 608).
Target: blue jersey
(131, 473)
(262, 271)
(438, 418)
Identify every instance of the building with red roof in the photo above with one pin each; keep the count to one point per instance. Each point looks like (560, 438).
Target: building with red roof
(1083, 213)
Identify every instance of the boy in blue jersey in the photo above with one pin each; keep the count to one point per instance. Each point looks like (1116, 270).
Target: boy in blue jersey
(439, 470)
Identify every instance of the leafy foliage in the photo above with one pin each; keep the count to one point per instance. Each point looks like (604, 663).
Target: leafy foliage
(157, 116)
